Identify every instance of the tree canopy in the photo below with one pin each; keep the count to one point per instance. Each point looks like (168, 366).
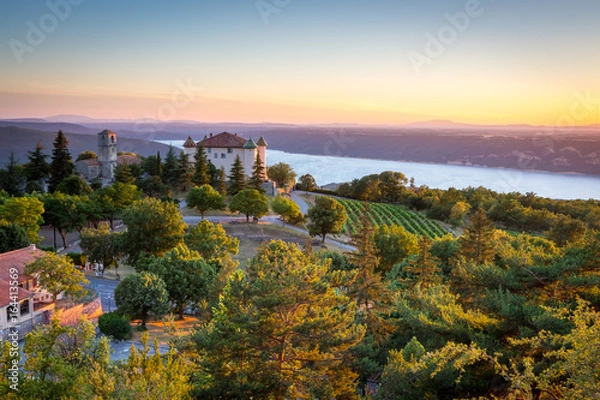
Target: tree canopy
(153, 227)
(204, 198)
(141, 296)
(282, 174)
(284, 325)
(57, 274)
(326, 216)
(250, 202)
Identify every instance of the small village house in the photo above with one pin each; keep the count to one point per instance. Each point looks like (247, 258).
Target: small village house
(34, 305)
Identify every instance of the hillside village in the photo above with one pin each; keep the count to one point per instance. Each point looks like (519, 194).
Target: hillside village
(381, 288)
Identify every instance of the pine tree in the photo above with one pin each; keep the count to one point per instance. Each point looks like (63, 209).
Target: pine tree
(476, 244)
(222, 182)
(37, 168)
(258, 175)
(184, 172)
(62, 163)
(159, 165)
(285, 326)
(201, 175)
(237, 177)
(170, 168)
(124, 174)
(423, 267)
(368, 287)
(12, 179)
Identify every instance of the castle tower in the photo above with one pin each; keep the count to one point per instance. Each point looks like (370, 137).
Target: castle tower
(262, 152)
(250, 150)
(107, 153)
(189, 148)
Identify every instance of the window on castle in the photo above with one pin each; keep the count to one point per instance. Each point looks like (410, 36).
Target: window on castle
(216, 155)
(208, 150)
(223, 155)
(230, 151)
(24, 307)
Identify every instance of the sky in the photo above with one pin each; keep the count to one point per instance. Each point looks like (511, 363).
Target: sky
(303, 61)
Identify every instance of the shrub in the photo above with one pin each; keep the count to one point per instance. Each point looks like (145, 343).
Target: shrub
(114, 325)
(77, 258)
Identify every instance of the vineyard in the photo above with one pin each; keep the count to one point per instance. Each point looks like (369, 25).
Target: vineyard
(387, 214)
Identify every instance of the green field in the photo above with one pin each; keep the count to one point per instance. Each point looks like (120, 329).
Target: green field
(387, 214)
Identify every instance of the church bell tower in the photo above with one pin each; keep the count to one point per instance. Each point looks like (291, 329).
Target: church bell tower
(107, 154)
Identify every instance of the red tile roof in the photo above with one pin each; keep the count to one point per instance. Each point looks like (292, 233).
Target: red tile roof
(223, 140)
(18, 259)
(5, 293)
(128, 159)
(90, 162)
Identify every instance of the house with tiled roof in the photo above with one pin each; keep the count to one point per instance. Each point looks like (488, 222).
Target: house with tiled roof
(23, 305)
(222, 149)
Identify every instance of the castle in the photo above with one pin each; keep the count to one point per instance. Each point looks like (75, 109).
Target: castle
(222, 149)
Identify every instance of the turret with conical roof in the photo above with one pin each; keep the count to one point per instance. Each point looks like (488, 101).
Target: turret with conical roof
(250, 144)
(189, 143)
(262, 152)
(261, 142)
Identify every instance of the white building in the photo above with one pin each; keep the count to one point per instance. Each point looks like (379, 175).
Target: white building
(222, 149)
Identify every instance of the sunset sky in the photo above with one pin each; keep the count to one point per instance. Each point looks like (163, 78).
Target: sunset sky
(303, 61)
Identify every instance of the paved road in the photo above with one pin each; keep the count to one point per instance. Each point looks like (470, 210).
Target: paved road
(121, 349)
(303, 204)
(106, 291)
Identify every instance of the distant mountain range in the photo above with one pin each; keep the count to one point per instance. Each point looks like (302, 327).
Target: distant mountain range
(21, 140)
(432, 124)
(554, 149)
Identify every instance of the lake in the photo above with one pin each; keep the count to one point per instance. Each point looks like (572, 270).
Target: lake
(328, 169)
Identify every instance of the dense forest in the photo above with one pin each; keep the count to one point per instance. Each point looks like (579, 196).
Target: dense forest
(504, 305)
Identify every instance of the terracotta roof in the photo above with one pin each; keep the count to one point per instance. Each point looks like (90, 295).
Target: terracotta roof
(90, 162)
(261, 142)
(18, 259)
(5, 293)
(223, 140)
(189, 142)
(250, 144)
(128, 159)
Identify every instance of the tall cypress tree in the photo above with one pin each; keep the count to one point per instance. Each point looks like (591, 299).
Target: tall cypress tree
(12, 179)
(37, 168)
(476, 243)
(170, 168)
(62, 164)
(258, 175)
(222, 182)
(159, 165)
(237, 177)
(184, 172)
(201, 175)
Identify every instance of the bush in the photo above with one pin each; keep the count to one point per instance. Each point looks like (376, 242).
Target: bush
(114, 325)
(77, 258)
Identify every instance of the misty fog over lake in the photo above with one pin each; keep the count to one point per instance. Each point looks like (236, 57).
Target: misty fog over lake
(328, 169)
